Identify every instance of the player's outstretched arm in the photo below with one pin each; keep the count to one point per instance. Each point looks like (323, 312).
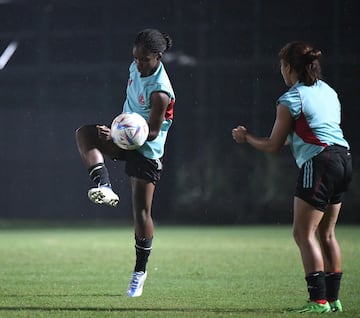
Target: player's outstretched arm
(281, 128)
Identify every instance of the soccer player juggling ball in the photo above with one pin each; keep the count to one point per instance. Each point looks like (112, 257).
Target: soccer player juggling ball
(308, 119)
(150, 94)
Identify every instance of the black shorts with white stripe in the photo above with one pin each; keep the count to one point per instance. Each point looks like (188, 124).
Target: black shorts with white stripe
(325, 178)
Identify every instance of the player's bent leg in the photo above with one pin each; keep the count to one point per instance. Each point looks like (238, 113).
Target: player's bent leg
(327, 238)
(88, 145)
(332, 256)
(85, 137)
(92, 150)
(306, 221)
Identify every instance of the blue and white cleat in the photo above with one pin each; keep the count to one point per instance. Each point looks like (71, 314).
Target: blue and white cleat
(136, 284)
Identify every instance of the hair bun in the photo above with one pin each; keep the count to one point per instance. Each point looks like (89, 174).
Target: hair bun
(312, 55)
(168, 41)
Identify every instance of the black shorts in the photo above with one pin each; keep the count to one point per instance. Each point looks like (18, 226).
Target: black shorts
(325, 178)
(141, 167)
(136, 165)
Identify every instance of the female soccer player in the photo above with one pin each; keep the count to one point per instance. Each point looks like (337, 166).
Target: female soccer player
(149, 93)
(308, 119)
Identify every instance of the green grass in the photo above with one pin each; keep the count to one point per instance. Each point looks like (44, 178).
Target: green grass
(239, 271)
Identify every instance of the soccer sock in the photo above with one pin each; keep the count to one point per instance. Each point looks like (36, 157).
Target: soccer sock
(100, 175)
(332, 281)
(143, 249)
(316, 286)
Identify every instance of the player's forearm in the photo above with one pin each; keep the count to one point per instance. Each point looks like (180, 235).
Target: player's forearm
(264, 144)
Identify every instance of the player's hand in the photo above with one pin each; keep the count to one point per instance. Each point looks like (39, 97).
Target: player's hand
(104, 132)
(239, 134)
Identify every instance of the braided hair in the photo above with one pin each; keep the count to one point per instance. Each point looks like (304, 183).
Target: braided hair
(153, 40)
(304, 60)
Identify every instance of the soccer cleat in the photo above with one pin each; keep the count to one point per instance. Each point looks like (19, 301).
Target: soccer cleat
(103, 195)
(136, 284)
(315, 307)
(336, 306)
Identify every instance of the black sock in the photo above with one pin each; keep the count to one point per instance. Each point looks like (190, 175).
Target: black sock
(316, 286)
(143, 249)
(99, 175)
(332, 281)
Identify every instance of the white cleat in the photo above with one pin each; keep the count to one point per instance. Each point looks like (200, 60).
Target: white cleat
(103, 195)
(136, 284)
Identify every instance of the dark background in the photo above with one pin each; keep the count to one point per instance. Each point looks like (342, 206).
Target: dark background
(71, 68)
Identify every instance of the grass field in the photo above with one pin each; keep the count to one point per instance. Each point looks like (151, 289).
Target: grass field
(238, 271)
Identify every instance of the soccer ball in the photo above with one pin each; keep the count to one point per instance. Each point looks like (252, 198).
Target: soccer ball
(129, 130)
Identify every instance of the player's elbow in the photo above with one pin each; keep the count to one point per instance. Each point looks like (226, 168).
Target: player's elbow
(274, 145)
(273, 148)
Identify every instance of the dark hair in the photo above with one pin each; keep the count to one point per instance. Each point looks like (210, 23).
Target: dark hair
(304, 60)
(153, 40)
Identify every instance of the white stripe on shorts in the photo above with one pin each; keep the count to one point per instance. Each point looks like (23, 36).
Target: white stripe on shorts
(308, 174)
